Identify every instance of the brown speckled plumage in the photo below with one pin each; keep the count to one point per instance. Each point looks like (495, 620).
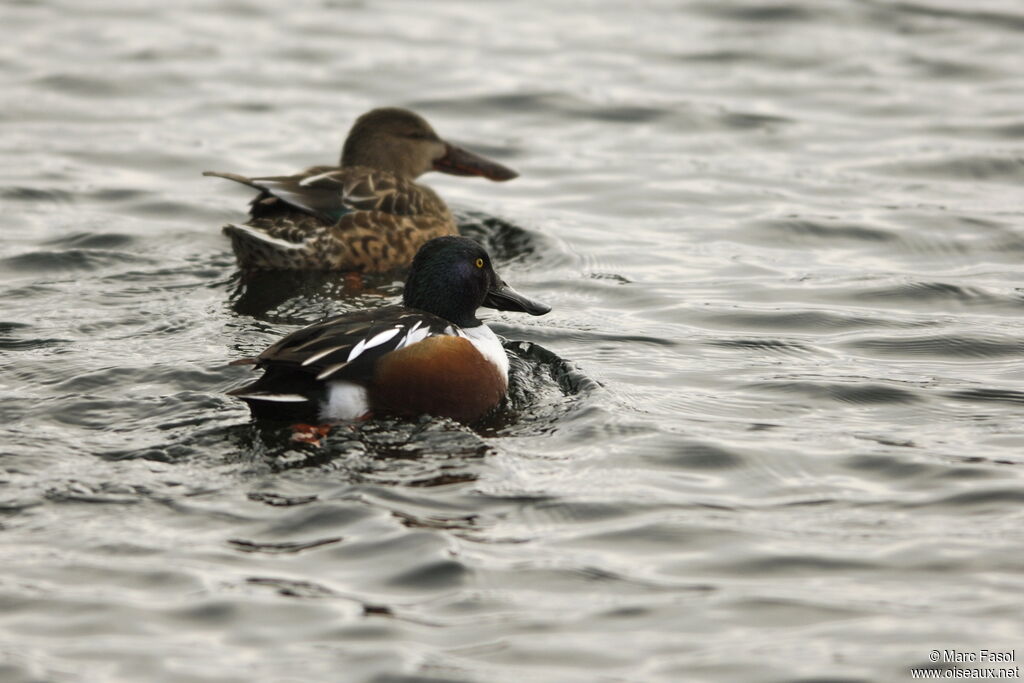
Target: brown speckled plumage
(366, 215)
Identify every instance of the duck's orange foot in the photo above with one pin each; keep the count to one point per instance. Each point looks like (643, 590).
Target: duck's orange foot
(310, 434)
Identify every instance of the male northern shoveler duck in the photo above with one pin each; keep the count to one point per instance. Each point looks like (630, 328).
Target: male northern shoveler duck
(431, 355)
(366, 215)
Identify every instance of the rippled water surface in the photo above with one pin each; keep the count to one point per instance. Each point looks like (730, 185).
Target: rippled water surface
(771, 431)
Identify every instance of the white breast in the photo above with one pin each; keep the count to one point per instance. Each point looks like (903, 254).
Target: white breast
(486, 342)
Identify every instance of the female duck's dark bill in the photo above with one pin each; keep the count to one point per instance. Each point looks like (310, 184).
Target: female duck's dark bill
(504, 298)
(458, 161)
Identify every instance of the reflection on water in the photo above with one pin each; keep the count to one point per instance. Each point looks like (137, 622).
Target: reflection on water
(770, 431)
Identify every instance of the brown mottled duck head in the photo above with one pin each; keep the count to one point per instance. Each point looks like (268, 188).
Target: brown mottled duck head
(402, 142)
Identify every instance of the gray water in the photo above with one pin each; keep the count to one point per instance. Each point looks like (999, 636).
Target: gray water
(771, 431)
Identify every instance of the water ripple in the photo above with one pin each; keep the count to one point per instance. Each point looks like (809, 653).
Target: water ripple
(859, 393)
(946, 346)
(988, 168)
(71, 260)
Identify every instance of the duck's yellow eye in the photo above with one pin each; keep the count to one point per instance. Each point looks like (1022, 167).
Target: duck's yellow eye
(479, 263)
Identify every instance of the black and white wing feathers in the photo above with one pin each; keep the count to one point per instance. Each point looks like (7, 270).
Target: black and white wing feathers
(347, 346)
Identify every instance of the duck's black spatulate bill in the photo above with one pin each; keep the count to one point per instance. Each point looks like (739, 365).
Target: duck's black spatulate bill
(504, 298)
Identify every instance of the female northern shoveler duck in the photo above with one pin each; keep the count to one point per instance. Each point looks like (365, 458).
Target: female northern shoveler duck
(367, 214)
(431, 355)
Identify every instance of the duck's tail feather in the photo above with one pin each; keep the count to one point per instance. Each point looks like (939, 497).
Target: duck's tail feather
(271, 398)
(249, 234)
(256, 248)
(264, 404)
(280, 395)
(251, 182)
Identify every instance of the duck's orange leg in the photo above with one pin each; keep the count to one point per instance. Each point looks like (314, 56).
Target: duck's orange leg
(311, 434)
